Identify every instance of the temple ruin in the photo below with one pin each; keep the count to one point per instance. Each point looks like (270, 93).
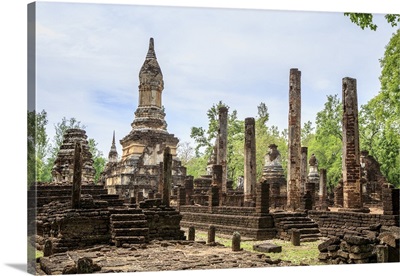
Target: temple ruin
(63, 170)
(145, 195)
(138, 170)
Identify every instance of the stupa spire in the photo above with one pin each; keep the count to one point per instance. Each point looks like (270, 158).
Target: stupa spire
(150, 73)
(113, 154)
(151, 53)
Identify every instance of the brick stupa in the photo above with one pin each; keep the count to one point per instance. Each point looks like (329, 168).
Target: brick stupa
(138, 170)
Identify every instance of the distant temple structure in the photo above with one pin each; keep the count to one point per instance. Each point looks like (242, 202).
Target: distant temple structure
(63, 168)
(138, 170)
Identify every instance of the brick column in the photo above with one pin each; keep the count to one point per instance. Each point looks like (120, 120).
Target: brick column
(390, 200)
(310, 188)
(188, 188)
(338, 194)
(294, 147)
(181, 197)
(249, 159)
(303, 170)
(351, 169)
(139, 197)
(323, 204)
(222, 144)
(161, 178)
(167, 176)
(262, 198)
(213, 197)
(77, 176)
(217, 172)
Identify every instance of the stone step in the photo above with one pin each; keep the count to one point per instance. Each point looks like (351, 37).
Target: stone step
(299, 225)
(125, 211)
(284, 215)
(129, 224)
(309, 231)
(305, 236)
(106, 196)
(119, 241)
(127, 232)
(291, 220)
(310, 239)
(115, 202)
(127, 217)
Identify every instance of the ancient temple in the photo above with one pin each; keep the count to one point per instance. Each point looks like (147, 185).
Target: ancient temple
(62, 171)
(274, 174)
(372, 179)
(143, 147)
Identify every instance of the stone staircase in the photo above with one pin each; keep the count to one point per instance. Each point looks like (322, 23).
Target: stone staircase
(285, 222)
(128, 226)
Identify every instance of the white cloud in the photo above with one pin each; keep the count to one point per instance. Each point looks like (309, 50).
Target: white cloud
(89, 57)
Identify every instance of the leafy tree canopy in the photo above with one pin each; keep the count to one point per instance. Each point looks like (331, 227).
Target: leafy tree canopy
(365, 20)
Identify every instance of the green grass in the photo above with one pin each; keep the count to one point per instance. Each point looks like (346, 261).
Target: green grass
(305, 254)
(39, 254)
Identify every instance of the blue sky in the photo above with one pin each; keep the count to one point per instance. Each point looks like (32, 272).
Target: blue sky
(89, 57)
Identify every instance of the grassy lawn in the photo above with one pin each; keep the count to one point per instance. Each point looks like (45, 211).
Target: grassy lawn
(305, 254)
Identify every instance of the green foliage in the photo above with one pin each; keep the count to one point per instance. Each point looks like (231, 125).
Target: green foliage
(99, 161)
(380, 117)
(60, 129)
(389, 96)
(365, 20)
(37, 144)
(326, 143)
(205, 139)
(265, 135)
(42, 153)
(307, 134)
(197, 166)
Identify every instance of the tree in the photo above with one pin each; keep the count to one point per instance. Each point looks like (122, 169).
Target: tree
(380, 117)
(307, 134)
(327, 145)
(99, 161)
(37, 146)
(265, 135)
(365, 20)
(205, 139)
(185, 152)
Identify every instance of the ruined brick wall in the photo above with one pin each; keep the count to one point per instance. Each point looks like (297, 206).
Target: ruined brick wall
(164, 223)
(227, 199)
(46, 193)
(340, 223)
(74, 228)
(228, 220)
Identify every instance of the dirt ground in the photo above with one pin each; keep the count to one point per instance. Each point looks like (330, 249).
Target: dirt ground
(157, 256)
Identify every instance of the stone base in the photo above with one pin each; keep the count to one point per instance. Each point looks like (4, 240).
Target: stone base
(355, 210)
(267, 248)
